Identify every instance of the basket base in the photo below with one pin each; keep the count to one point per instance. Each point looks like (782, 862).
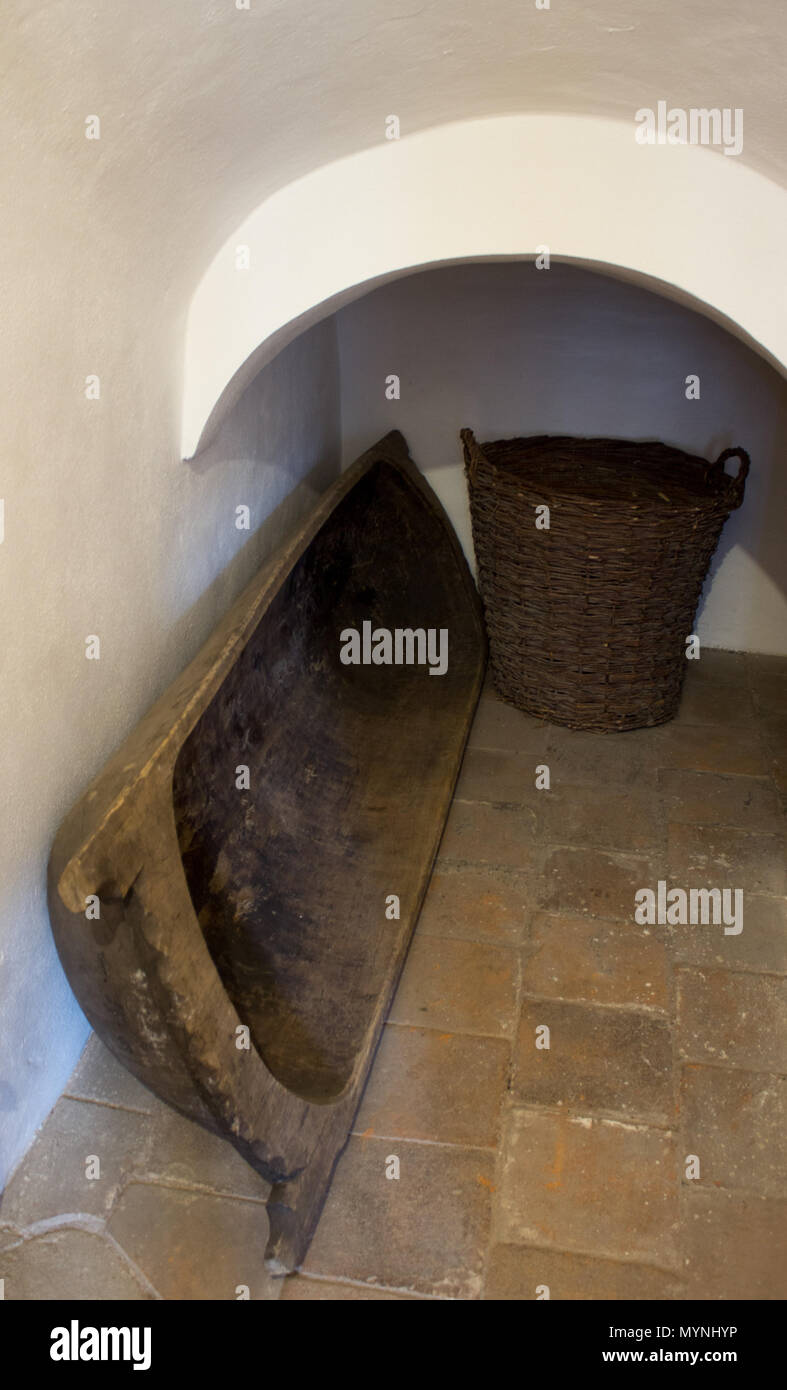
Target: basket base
(592, 719)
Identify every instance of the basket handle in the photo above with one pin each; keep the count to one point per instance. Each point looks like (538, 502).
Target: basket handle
(472, 454)
(735, 484)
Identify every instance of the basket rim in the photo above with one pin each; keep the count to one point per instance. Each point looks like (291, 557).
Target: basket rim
(606, 471)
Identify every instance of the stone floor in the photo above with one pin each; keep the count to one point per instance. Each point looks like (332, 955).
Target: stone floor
(638, 1156)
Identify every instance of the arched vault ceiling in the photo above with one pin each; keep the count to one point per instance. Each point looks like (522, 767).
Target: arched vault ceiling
(208, 109)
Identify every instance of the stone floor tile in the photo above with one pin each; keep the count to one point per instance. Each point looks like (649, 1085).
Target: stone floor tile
(53, 1179)
(497, 835)
(735, 1123)
(761, 946)
(735, 1245)
(774, 731)
(615, 1061)
(490, 775)
(710, 702)
(99, 1076)
(707, 798)
(717, 668)
(181, 1152)
(193, 1246)
(299, 1288)
(457, 987)
(617, 760)
(601, 818)
(477, 905)
(603, 962)
(517, 1272)
(424, 1232)
(732, 1017)
(778, 770)
(768, 679)
(779, 773)
(716, 856)
(711, 748)
(500, 726)
(68, 1263)
(442, 1086)
(593, 882)
(595, 1186)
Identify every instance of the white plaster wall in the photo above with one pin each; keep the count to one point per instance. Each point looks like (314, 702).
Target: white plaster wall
(508, 349)
(108, 532)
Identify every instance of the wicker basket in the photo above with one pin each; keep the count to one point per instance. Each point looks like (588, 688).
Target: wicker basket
(588, 619)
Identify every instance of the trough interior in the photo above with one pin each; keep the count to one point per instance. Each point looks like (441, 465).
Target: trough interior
(351, 771)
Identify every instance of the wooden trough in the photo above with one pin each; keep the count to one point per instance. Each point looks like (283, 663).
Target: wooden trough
(246, 843)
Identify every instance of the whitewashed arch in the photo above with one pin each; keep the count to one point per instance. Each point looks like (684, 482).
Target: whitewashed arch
(703, 224)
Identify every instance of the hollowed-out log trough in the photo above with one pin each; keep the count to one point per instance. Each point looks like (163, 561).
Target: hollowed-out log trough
(246, 842)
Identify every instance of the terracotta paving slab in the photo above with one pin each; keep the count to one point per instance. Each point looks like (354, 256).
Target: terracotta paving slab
(618, 761)
(732, 1017)
(612, 1060)
(735, 1122)
(600, 884)
(485, 904)
(480, 834)
(99, 1076)
(602, 962)
(69, 1263)
(594, 1186)
(520, 1272)
(707, 798)
(492, 776)
(778, 770)
(774, 731)
(760, 946)
(768, 679)
(734, 1245)
(194, 1246)
(718, 668)
(181, 1153)
(713, 695)
(425, 1232)
(712, 748)
(79, 1139)
(457, 987)
(716, 856)
(592, 817)
(500, 726)
(431, 1085)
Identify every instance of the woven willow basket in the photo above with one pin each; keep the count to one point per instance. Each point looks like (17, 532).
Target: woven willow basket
(588, 619)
